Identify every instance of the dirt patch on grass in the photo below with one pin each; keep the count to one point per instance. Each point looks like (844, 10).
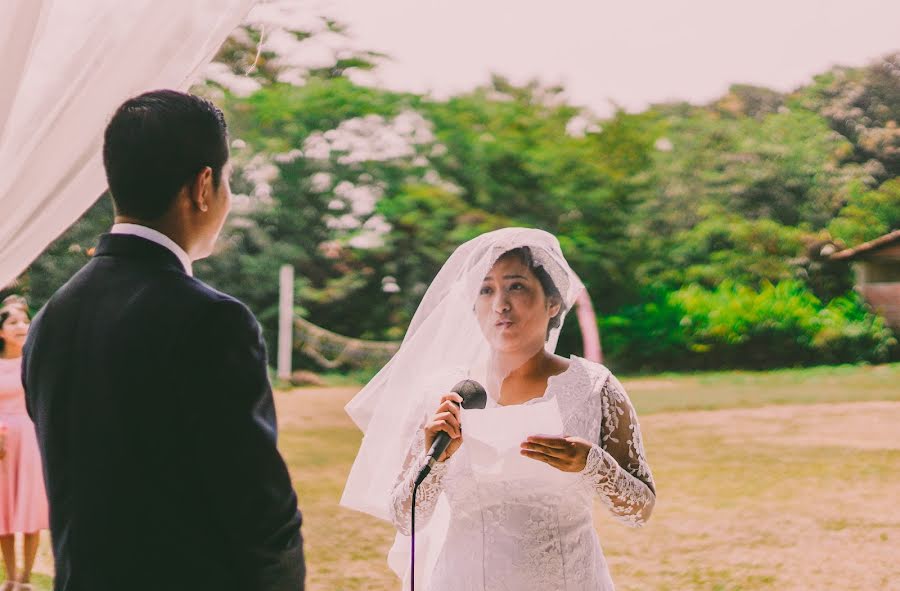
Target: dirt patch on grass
(858, 425)
(315, 408)
(784, 497)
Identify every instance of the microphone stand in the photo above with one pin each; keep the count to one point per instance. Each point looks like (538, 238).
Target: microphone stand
(423, 473)
(412, 569)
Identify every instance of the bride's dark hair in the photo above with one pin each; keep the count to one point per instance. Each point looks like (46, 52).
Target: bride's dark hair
(551, 291)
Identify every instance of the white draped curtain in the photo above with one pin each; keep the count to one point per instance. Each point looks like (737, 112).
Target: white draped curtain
(66, 66)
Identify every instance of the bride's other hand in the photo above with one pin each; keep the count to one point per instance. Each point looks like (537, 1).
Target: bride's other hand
(447, 419)
(568, 454)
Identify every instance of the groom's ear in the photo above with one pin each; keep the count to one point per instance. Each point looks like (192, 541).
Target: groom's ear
(200, 189)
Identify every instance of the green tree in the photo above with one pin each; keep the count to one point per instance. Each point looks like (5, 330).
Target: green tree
(868, 214)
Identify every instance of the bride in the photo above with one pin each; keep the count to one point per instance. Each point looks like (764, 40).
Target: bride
(493, 314)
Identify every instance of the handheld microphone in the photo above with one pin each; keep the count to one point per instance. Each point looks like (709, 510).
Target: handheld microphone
(474, 397)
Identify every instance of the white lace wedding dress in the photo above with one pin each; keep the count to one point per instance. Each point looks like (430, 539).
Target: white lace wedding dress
(507, 536)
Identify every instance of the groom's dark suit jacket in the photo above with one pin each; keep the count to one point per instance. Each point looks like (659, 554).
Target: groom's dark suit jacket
(151, 398)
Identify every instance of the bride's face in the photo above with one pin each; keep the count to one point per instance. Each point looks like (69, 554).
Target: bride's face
(512, 309)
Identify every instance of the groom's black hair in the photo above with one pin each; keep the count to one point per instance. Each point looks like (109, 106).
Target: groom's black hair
(157, 142)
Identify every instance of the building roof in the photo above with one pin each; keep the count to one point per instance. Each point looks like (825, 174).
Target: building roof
(867, 247)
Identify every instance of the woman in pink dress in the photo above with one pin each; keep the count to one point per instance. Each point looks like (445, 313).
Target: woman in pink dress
(23, 500)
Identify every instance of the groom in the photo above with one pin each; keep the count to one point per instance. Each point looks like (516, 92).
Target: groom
(149, 389)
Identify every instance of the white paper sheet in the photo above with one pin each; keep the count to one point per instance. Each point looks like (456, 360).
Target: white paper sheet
(493, 438)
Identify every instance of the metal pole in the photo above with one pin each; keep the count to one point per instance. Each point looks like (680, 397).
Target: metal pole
(285, 321)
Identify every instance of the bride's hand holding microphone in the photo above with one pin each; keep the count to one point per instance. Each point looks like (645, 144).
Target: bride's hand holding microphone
(445, 419)
(443, 432)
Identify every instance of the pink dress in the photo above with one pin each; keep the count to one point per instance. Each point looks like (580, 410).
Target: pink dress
(23, 499)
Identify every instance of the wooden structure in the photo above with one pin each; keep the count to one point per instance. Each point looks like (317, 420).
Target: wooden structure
(877, 267)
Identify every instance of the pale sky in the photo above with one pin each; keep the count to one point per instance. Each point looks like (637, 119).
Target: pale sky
(633, 53)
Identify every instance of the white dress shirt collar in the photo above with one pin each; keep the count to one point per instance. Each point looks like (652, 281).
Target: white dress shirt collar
(159, 238)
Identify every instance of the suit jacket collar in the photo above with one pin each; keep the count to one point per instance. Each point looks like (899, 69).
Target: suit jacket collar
(135, 247)
(157, 237)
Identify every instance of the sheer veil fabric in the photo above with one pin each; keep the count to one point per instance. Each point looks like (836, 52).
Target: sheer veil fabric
(443, 345)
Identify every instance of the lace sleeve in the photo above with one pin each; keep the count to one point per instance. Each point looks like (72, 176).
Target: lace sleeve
(617, 468)
(429, 490)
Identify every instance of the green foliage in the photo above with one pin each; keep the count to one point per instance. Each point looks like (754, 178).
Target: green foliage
(698, 230)
(428, 223)
(509, 151)
(336, 286)
(868, 214)
(781, 324)
(731, 248)
(786, 168)
(863, 105)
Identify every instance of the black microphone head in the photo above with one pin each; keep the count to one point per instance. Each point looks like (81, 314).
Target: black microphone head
(473, 394)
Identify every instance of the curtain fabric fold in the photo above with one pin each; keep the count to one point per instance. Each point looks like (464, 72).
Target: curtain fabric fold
(67, 65)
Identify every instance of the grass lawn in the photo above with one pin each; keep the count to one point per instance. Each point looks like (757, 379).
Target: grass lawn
(746, 389)
(777, 480)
